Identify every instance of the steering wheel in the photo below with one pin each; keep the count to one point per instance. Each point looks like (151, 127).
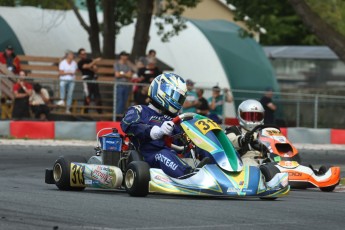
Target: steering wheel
(177, 120)
(258, 145)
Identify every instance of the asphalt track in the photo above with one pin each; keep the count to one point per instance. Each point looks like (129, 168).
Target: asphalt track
(26, 202)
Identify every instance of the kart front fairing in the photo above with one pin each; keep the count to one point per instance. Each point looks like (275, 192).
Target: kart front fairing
(208, 136)
(211, 180)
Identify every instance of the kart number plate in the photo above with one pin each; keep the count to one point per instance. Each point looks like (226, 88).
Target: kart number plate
(206, 125)
(77, 175)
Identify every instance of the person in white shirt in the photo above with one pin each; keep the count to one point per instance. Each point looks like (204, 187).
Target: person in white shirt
(67, 69)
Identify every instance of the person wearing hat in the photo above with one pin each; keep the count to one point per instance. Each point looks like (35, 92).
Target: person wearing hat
(269, 106)
(123, 74)
(216, 103)
(10, 59)
(192, 102)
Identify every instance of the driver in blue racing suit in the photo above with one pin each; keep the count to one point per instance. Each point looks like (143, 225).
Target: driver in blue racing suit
(147, 125)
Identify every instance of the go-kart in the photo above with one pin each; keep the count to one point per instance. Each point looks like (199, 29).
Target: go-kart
(121, 167)
(275, 147)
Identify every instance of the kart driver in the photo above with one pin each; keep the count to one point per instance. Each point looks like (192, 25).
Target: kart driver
(147, 125)
(250, 114)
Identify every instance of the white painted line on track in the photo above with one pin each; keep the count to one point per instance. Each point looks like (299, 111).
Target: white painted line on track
(186, 227)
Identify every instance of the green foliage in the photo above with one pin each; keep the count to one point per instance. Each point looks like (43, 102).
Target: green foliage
(56, 4)
(332, 11)
(170, 17)
(282, 24)
(7, 2)
(124, 13)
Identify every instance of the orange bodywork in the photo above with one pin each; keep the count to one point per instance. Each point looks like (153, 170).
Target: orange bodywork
(297, 175)
(284, 153)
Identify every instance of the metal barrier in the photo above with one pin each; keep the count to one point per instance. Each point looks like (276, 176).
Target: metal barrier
(295, 109)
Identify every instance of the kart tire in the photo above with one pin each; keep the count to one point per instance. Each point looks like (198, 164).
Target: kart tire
(62, 172)
(137, 178)
(134, 156)
(322, 170)
(269, 170)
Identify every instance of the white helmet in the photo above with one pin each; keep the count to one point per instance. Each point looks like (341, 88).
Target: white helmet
(250, 114)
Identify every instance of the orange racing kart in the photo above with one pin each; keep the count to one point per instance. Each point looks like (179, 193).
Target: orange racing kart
(275, 147)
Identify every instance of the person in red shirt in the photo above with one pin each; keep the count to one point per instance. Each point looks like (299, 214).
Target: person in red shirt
(22, 91)
(10, 59)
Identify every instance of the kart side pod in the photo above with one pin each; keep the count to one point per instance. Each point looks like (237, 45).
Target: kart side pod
(68, 174)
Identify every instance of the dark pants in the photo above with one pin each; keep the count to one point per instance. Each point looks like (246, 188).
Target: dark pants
(38, 110)
(93, 93)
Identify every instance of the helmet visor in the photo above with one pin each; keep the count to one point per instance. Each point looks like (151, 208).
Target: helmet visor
(173, 93)
(252, 116)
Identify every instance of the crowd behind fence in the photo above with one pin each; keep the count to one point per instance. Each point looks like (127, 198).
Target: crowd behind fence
(294, 109)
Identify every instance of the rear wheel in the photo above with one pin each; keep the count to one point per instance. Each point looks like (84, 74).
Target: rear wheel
(322, 170)
(62, 172)
(137, 178)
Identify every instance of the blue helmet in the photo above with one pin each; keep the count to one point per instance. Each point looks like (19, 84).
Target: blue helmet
(168, 91)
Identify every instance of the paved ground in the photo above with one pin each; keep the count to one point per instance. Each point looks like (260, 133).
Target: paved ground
(27, 203)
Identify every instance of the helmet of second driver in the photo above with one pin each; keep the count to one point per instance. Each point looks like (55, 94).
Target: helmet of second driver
(250, 114)
(168, 92)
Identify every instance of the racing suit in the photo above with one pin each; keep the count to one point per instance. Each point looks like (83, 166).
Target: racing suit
(137, 124)
(248, 154)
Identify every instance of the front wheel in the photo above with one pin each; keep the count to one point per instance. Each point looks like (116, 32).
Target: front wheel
(323, 169)
(62, 172)
(137, 178)
(269, 170)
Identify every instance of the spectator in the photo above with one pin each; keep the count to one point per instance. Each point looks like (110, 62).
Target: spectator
(88, 67)
(216, 103)
(39, 101)
(141, 96)
(10, 59)
(123, 74)
(67, 69)
(22, 90)
(202, 107)
(149, 72)
(191, 101)
(269, 106)
(143, 61)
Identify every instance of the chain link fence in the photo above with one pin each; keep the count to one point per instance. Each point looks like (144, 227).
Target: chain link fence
(294, 109)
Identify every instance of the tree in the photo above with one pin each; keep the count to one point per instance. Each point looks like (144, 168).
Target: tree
(320, 27)
(169, 15)
(278, 18)
(323, 19)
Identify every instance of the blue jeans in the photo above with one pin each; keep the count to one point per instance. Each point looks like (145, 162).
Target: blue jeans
(69, 85)
(122, 94)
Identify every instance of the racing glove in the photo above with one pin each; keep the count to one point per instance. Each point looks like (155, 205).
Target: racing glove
(246, 139)
(158, 132)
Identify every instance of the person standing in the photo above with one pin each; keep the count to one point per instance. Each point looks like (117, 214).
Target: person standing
(269, 106)
(191, 101)
(10, 59)
(202, 107)
(149, 72)
(216, 103)
(22, 91)
(88, 67)
(67, 69)
(151, 55)
(123, 74)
